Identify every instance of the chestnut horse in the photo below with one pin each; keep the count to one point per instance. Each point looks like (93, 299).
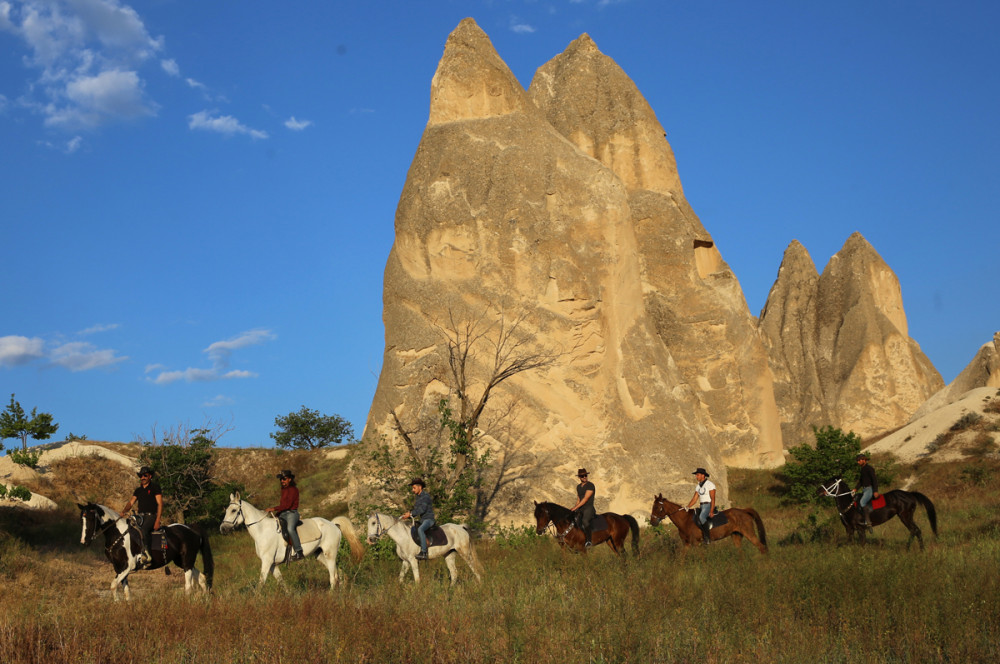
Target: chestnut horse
(897, 503)
(740, 524)
(568, 535)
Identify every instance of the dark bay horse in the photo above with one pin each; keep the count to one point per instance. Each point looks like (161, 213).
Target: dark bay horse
(897, 503)
(123, 544)
(568, 535)
(740, 523)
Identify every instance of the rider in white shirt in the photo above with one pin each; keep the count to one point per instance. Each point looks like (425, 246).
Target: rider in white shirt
(704, 494)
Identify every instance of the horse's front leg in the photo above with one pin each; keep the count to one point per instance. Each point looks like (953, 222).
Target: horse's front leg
(449, 560)
(402, 570)
(121, 579)
(266, 567)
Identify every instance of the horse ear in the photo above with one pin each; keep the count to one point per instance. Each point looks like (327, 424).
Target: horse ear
(535, 502)
(233, 497)
(82, 507)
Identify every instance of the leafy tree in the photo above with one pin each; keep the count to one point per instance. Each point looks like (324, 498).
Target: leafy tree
(184, 462)
(15, 424)
(308, 430)
(835, 455)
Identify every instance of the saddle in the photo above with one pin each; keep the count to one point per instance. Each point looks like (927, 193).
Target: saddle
(599, 522)
(435, 536)
(718, 519)
(308, 531)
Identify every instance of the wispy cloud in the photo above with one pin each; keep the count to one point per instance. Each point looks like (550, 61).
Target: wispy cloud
(297, 125)
(16, 350)
(220, 353)
(218, 400)
(83, 356)
(86, 55)
(73, 144)
(516, 25)
(223, 124)
(94, 329)
(171, 67)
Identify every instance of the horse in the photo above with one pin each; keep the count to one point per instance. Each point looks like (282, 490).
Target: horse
(123, 546)
(457, 540)
(317, 535)
(740, 523)
(614, 532)
(897, 503)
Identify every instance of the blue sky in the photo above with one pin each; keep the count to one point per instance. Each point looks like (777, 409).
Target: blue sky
(197, 198)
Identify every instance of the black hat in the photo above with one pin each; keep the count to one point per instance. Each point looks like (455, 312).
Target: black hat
(582, 472)
(419, 481)
(702, 471)
(145, 470)
(861, 455)
(285, 473)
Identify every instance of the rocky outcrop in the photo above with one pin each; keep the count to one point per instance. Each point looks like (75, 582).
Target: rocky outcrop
(839, 345)
(500, 212)
(690, 294)
(982, 371)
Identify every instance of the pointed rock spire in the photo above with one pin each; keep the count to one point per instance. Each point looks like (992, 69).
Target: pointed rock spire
(472, 81)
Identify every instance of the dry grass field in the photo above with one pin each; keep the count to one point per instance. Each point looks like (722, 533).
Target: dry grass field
(813, 598)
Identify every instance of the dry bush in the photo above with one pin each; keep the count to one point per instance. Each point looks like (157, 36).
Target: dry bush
(91, 478)
(992, 407)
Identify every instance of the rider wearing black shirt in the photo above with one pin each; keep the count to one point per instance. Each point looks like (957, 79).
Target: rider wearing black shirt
(148, 499)
(585, 505)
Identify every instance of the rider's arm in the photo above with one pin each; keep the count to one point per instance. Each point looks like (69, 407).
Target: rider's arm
(694, 499)
(711, 509)
(159, 511)
(586, 497)
(128, 506)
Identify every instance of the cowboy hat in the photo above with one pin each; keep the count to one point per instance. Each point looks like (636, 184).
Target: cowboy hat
(146, 470)
(285, 473)
(701, 471)
(582, 472)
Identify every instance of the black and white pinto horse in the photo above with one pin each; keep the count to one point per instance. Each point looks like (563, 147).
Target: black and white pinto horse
(123, 546)
(458, 540)
(317, 535)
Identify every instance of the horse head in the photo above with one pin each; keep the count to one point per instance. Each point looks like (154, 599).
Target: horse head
(542, 517)
(378, 524)
(233, 517)
(662, 509)
(94, 519)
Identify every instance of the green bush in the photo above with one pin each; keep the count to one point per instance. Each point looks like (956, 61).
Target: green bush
(515, 537)
(835, 455)
(24, 458)
(19, 492)
(3, 490)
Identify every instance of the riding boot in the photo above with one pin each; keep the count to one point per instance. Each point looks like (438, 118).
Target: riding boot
(422, 555)
(705, 538)
(144, 558)
(866, 512)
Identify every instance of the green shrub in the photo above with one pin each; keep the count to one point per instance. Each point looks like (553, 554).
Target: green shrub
(3, 490)
(24, 458)
(834, 456)
(515, 537)
(19, 492)
(977, 475)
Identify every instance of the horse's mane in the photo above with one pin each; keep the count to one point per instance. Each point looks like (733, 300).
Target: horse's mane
(557, 512)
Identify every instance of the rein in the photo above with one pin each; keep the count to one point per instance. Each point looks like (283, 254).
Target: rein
(239, 504)
(828, 490)
(667, 516)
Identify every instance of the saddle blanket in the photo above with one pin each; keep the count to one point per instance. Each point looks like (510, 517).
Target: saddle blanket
(307, 529)
(599, 522)
(435, 536)
(719, 519)
(878, 503)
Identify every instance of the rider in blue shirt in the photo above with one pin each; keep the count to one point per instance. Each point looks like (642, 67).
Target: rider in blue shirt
(423, 510)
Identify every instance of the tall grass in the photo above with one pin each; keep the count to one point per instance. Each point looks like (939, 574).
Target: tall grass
(819, 601)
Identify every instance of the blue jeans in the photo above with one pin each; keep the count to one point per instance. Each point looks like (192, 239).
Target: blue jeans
(422, 532)
(866, 497)
(291, 520)
(701, 516)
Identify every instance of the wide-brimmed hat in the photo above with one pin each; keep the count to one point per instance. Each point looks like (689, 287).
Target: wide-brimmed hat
(582, 472)
(418, 481)
(861, 455)
(701, 471)
(146, 470)
(285, 473)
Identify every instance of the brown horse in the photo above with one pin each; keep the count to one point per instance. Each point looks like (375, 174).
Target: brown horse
(740, 524)
(568, 535)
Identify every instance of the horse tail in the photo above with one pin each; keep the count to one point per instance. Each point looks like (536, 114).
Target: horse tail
(760, 524)
(473, 559)
(347, 528)
(634, 527)
(207, 560)
(929, 506)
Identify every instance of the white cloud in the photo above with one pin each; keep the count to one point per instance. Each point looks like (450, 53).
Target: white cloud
(73, 144)
(297, 125)
(170, 66)
(15, 350)
(224, 124)
(519, 27)
(220, 353)
(87, 54)
(196, 84)
(93, 329)
(83, 356)
(153, 367)
(218, 400)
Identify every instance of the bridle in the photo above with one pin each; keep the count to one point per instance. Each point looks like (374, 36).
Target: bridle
(379, 528)
(829, 491)
(240, 514)
(657, 501)
(555, 529)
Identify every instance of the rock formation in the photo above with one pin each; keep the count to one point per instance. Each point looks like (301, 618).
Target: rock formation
(839, 345)
(500, 211)
(982, 371)
(690, 294)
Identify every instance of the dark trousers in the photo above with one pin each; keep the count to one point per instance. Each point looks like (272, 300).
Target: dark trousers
(584, 521)
(145, 523)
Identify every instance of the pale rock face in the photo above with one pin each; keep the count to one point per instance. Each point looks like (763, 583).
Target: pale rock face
(689, 292)
(840, 347)
(499, 208)
(982, 371)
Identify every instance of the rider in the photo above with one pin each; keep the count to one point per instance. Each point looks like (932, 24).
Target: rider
(148, 498)
(705, 494)
(288, 510)
(585, 504)
(423, 509)
(868, 485)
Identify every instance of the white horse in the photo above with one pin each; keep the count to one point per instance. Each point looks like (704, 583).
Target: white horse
(315, 534)
(407, 550)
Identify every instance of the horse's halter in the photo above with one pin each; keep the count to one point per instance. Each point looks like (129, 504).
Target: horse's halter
(656, 501)
(240, 514)
(829, 491)
(379, 528)
(100, 529)
(555, 529)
